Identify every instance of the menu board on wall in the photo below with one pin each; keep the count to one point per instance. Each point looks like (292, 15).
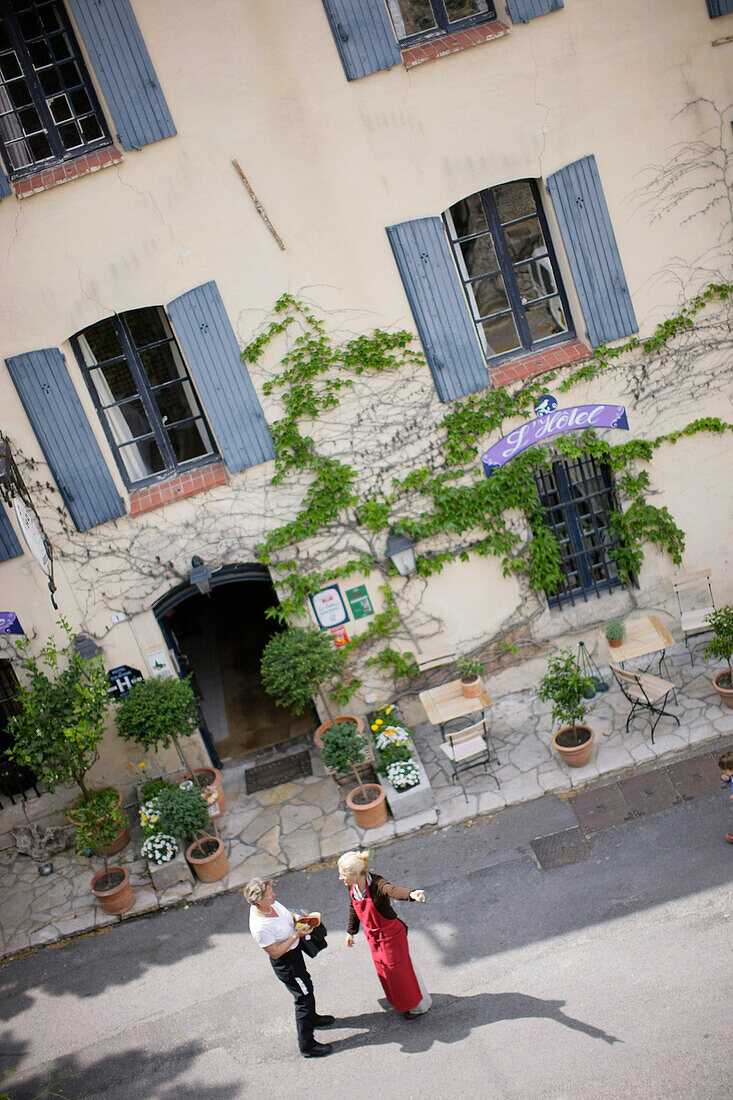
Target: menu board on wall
(359, 601)
(329, 608)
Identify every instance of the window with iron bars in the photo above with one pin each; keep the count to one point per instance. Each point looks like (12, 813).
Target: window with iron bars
(577, 496)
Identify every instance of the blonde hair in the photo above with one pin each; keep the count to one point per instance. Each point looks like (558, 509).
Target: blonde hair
(354, 863)
(256, 889)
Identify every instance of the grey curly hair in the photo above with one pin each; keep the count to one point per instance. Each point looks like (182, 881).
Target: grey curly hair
(256, 889)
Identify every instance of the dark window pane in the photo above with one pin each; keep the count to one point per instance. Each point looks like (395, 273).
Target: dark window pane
(161, 364)
(479, 256)
(61, 47)
(173, 404)
(464, 9)
(70, 135)
(514, 200)
(29, 120)
(4, 36)
(189, 441)
(9, 66)
(50, 17)
(39, 53)
(29, 24)
(70, 74)
(19, 93)
(468, 216)
(500, 334)
(103, 342)
(40, 149)
(546, 318)
(114, 382)
(50, 82)
(129, 421)
(91, 129)
(146, 326)
(142, 459)
(411, 16)
(60, 108)
(490, 295)
(524, 239)
(80, 101)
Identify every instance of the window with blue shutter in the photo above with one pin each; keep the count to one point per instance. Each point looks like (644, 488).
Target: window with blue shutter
(4, 185)
(521, 11)
(364, 36)
(65, 436)
(434, 291)
(719, 7)
(229, 399)
(9, 545)
(593, 255)
(125, 72)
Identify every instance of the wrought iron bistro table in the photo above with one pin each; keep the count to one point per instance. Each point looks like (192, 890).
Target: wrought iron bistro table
(644, 637)
(445, 703)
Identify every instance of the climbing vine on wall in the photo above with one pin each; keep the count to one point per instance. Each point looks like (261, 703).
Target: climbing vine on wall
(446, 506)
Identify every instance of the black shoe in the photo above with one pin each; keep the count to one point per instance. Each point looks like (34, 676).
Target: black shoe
(317, 1050)
(324, 1021)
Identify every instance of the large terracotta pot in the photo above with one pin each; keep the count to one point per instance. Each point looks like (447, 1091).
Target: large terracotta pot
(575, 755)
(372, 814)
(725, 693)
(217, 808)
(471, 686)
(122, 838)
(117, 899)
(212, 866)
(318, 735)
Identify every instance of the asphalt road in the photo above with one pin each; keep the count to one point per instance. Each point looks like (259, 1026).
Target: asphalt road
(607, 978)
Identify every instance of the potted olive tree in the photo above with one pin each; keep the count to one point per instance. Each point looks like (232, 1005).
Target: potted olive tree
(295, 663)
(567, 688)
(161, 710)
(64, 703)
(721, 646)
(343, 752)
(95, 836)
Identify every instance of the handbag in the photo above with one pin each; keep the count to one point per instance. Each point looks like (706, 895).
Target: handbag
(314, 943)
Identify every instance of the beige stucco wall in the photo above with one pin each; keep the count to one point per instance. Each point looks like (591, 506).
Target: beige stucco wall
(333, 163)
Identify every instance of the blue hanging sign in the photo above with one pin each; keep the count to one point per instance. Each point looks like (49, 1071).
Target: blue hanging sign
(9, 623)
(549, 424)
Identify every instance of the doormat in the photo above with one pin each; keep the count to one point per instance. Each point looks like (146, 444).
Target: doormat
(559, 849)
(264, 776)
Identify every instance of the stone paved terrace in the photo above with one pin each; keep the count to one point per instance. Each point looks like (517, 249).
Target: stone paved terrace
(303, 822)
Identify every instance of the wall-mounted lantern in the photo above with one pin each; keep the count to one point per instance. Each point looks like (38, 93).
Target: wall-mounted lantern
(401, 550)
(200, 575)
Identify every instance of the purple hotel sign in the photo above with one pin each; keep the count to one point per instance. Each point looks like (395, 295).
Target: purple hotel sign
(553, 423)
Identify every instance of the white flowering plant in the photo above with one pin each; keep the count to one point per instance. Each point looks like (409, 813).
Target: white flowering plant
(150, 816)
(159, 848)
(403, 775)
(392, 735)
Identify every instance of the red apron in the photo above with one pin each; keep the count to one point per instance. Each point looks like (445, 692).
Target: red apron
(387, 940)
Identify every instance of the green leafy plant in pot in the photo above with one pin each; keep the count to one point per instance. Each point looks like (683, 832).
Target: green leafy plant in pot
(567, 688)
(615, 632)
(183, 812)
(343, 750)
(295, 662)
(469, 669)
(721, 646)
(95, 835)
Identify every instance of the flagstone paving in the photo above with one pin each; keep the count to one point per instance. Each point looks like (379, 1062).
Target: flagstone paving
(305, 821)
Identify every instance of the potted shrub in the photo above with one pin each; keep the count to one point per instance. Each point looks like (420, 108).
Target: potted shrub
(615, 632)
(721, 646)
(295, 663)
(566, 687)
(343, 751)
(469, 669)
(102, 804)
(183, 812)
(94, 836)
(161, 710)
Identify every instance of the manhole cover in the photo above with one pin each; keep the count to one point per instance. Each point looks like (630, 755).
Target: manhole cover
(263, 776)
(558, 849)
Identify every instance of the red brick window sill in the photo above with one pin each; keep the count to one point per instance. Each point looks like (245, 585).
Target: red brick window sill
(559, 355)
(64, 173)
(177, 488)
(452, 43)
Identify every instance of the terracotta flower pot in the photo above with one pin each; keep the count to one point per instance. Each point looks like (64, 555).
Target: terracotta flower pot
(209, 866)
(211, 777)
(318, 735)
(471, 686)
(725, 693)
(574, 755)
(114, 899)
(368, 815)
(122, 838)
(614, 642)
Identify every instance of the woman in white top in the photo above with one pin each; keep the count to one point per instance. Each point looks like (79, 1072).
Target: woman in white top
(273, 929)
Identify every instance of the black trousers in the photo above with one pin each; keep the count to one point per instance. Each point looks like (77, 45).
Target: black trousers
(291, 970)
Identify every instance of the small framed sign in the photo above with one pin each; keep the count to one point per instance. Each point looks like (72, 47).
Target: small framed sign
(329, 608)
(359, 601)
(340, 637)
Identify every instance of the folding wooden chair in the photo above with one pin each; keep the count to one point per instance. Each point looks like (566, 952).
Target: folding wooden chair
(467, 748)
(695, 601)
(645, 692)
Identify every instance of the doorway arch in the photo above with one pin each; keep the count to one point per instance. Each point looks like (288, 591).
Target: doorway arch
(218, 639)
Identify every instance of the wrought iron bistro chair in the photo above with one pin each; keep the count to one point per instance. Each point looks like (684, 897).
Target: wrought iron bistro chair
(469, 747)
(695, 601)
(645, 692)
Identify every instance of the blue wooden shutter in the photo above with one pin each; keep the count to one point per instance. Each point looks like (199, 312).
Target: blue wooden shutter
(124, 70)
(66, 438)
(9, 545)
(593, 255)
(521, 11)
(206, 335)
(4, 186)
(364, 36)
(719, 7)
(438, 302)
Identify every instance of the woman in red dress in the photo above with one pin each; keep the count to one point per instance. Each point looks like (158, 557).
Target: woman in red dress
(386, 934)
